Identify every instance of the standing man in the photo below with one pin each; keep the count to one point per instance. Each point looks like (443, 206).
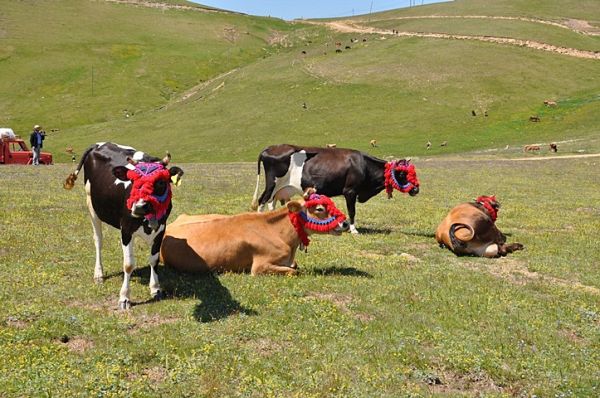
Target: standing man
(36, 140)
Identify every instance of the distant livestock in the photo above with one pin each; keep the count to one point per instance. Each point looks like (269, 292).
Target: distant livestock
(470, 229)
(331, 145)
(333, 172)
(373, 143)
(445, 143)
(259, 243)
(534, 119)
(550, 103)
(531, 148)
(130, 191)
(553, 147)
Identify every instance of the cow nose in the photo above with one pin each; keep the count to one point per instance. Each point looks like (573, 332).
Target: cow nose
(414, 191)
(140, 209)
(345, 225)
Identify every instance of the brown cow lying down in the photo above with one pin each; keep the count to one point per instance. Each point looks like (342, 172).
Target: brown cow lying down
(470, 229)
(261, 243)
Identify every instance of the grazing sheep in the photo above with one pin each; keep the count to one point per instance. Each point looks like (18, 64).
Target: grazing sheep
(534, 119)
(331, 145)
(550, 103)
(445, 143)
(373, 143)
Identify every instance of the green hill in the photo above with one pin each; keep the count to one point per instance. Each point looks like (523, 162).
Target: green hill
(218, 86)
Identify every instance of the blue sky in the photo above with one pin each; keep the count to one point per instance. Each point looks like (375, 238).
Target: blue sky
(292, 9)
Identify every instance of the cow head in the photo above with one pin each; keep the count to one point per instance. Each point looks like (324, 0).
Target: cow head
(318, 214)
(490, 204)
(150, 195)
(402, 176)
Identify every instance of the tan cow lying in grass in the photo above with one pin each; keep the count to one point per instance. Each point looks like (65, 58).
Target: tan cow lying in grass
(470, 229)
(261, 243)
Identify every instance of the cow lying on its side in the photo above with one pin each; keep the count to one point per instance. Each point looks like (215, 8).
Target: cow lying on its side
(470, 229)
(261, 243)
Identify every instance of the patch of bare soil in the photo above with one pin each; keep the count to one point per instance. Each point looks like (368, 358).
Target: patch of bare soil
(79, 344)
(194, 90)
(150, 321)
(156, 374)
(266, 347)
(352, 27)
(17, 323)
(582, 27)
(517, 273)
(278, 38)
(230, 34)
(341, 301)
(473, 384)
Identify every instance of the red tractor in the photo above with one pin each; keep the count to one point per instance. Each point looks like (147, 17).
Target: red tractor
(13, 150)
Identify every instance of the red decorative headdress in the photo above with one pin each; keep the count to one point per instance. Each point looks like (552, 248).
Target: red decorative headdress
(302, 221)
(490, 204)
(392, 183)
(143, 177)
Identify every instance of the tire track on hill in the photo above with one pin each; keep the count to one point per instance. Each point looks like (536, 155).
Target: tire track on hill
(574, 25)
(350, 27)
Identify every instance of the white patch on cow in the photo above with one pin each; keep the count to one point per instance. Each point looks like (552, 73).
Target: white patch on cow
(125, 183)
(97, 227)
(291, 181)
(138, 155)
(100, 144)
(353, 229)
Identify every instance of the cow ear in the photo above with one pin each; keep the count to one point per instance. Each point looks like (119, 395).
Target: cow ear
(294, 206)
(121, 173)
(176, 174)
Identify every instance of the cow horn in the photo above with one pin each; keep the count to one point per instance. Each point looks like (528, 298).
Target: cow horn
(131, 161)
(309, 191)
(166, 159)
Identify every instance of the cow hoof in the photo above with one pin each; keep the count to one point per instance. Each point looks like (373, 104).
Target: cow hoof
(125, 305)
(159, 295)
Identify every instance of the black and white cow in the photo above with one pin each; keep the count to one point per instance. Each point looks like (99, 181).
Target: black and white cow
(289, 169)
(130, 191)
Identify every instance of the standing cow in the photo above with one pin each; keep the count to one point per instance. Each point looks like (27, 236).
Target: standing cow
(290, 169)
(130, 191)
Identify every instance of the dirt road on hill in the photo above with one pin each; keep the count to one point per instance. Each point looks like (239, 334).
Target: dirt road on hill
(352, 27)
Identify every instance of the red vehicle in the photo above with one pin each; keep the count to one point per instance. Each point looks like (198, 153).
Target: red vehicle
(13, 150)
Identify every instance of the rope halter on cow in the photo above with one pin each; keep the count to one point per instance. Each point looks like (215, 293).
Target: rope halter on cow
(302, 221)
(490, 204)
(144, 177)
(392, 183)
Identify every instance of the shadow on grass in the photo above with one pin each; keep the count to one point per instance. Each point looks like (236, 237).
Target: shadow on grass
(428, 234)
(335, 270)
(215, 301)
(374, 231)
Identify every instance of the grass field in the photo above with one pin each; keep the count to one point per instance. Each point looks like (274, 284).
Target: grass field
(100, 71)
(362, 318)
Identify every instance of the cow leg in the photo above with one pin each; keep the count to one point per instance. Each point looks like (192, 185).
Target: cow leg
(128, 267)
(351, 206)
(267, 196)
(266, 268)
(97, 227)
(509, 248)
(154, 285)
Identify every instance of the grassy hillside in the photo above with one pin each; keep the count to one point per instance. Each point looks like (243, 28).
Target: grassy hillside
(361, 320)
(219, 87)
(70, 63)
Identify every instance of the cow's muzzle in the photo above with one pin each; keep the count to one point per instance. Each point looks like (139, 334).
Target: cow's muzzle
(140, 208)
(413, 191)
(341, 227)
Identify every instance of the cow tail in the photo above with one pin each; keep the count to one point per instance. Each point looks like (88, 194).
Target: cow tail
(255, 197)
(456, 242)
(71, 178)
